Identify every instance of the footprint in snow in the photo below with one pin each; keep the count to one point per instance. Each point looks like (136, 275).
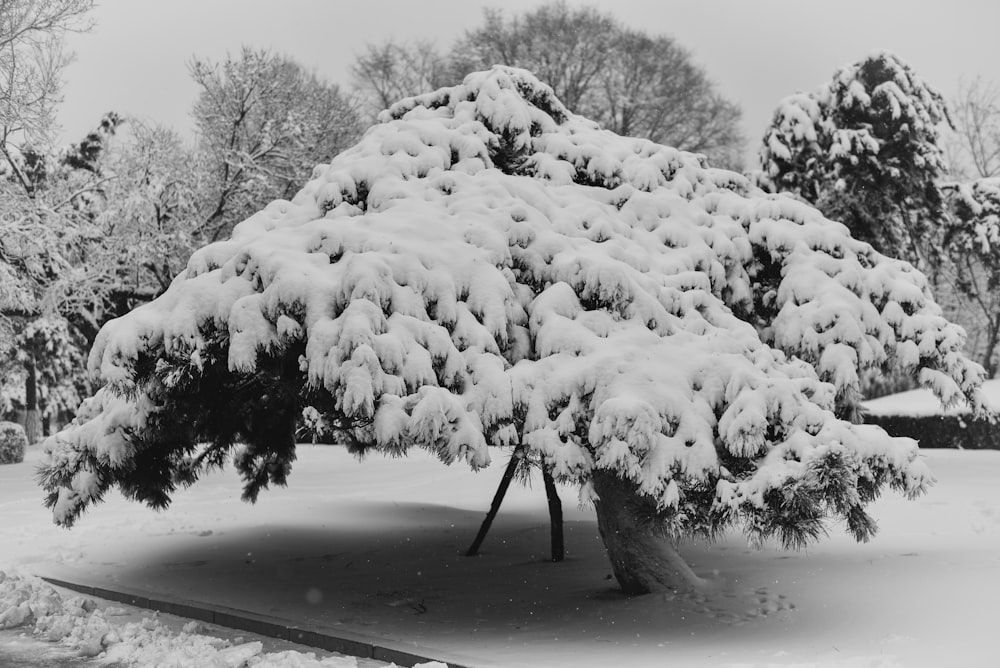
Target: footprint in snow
(768, 603)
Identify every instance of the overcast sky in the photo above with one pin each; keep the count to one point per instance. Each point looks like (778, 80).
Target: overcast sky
(134, 61)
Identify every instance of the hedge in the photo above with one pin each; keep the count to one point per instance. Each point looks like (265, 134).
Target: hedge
(942, 431)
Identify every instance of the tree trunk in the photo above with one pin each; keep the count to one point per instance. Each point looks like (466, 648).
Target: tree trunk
(555, 515)
(991, 345)
(643, 559)
(508, 475)
(32, 423)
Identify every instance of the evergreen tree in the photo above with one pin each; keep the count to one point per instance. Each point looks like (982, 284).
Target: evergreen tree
(864, 149)
(484, 270)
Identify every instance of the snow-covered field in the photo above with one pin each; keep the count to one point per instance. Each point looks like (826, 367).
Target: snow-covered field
(376, 547)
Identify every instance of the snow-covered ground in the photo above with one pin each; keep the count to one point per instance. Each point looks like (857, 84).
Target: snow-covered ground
(376, 547)
(923, 402)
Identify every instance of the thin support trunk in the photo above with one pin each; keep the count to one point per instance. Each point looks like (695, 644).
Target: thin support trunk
(555, 515)
(643, 559)
(508, 475)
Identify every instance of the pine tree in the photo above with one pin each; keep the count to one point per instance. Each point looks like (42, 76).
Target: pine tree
(485, 270)
(864, 149)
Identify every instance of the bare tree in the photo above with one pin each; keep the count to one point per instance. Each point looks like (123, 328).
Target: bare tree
(388, 72)
(631, 82)
(32, 58)
(263, 123)
(568, 48)
(976, 114)
(652, 88)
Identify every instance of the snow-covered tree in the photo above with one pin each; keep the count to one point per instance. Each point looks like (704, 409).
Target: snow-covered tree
(149, 219)
(972, 244)
(48, 361)
(977, 129)
(31, 61)
(263, 123)
(45, 229)
(485, 269)
(864, 149)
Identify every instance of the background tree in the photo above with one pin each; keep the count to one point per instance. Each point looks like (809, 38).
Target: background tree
(31, 61)
(150, 219)
(386, 73)
(976, 112)
(652, 88)
(484, 269)
(263, 123)
(629, 81)
(967, 283)
(51, 200)
(973, 247)
(864, 149)
(566, 47)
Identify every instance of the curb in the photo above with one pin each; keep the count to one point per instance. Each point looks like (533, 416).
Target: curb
(344, 642)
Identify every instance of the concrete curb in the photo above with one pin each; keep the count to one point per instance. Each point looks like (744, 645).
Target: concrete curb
(344, 642)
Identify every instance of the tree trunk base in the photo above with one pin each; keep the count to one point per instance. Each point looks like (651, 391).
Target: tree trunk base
(643, 559)
(32, 426)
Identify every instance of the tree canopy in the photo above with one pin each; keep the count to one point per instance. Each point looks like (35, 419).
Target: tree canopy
(485, 268)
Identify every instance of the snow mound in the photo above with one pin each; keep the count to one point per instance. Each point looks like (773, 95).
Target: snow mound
(485, 268)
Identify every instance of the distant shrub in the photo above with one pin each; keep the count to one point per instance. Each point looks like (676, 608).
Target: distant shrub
(13, 443)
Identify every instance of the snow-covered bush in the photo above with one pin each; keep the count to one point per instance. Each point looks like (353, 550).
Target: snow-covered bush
(485, 268)
(13, 443)
(864, 149)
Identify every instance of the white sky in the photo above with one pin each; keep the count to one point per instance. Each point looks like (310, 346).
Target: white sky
(757, 51)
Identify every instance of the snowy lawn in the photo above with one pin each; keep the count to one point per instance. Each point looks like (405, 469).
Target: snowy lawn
(376, 547)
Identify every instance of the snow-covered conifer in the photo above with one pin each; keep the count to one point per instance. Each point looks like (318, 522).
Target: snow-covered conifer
(864, 150)
(484, 269)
